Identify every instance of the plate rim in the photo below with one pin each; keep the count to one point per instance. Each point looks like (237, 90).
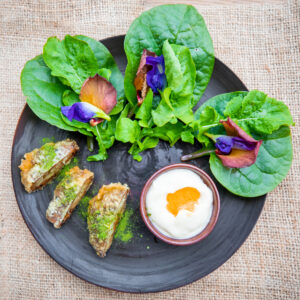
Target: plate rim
(67, 267)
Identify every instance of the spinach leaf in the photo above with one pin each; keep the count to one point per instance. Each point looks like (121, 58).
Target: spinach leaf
(272, 165)
(179, 24)
(139, 146)
(104, 133)
(69, 98)
(256, 112)
(180, 70)
(127, 130)
(169, 132)
(273, 160)
(187, 136)
(105, 73)
(164, 112)
(71, 59)
(205, 121)
(144, 111)
(43, 92)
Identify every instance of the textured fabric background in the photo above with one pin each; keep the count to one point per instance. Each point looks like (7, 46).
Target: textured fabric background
(261, 45)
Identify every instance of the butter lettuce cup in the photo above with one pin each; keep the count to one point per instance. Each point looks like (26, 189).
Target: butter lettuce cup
(180, 204)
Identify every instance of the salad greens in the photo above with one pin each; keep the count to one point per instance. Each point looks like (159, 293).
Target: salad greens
(179, 34)
(71, 60)
(275, 155)
(180, 25)
(76, 85)
(54, 79)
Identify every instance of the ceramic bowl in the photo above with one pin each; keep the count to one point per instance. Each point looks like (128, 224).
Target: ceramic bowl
(214, 217)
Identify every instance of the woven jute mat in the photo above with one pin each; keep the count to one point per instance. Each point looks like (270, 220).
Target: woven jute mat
(260, 43)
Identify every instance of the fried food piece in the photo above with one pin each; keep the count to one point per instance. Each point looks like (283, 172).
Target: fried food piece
(104, 213)
(68, 194)
(43, 164)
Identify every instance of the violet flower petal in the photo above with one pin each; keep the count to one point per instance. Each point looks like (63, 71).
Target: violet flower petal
(156, 77)
(224, 144)
(240, 143)
(80, 111)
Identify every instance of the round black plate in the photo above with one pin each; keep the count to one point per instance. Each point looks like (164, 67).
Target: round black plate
(145, 264)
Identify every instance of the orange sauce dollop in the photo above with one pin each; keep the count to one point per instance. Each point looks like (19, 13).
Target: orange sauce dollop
(184, 198)
(26, 163)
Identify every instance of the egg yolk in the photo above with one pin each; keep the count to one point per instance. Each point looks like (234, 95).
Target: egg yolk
(184, 198)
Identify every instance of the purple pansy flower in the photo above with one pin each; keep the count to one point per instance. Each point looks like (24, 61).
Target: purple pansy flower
(156, 77)
(84, 112)
(225, 144)
(150, 74)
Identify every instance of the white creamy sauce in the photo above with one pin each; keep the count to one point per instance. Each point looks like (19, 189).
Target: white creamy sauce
(187, 223)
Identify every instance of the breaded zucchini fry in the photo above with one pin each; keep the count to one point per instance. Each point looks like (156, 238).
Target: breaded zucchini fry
(68, 194)
(104, 213)
(43, 164)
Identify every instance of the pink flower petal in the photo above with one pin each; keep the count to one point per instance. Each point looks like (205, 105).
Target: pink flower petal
(140, 81)
(99, 92)
(238, 158)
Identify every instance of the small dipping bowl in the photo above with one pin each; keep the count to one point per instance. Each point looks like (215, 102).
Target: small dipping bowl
(215, 213)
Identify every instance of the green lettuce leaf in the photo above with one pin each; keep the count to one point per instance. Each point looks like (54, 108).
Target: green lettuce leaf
(205, 121)
(127, 130)
(105, 136)
(144, 111)
(257, 113)
(169, 132)
(71, 59)
(180, 70)
(164, 112)
(139, 146)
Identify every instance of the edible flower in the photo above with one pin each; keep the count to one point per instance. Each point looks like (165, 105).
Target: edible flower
(150, 74)
(84, 112)
(156, 77)
(237, 149)
(99, 92)
(98, 97)
(225, 144)
(140, 81)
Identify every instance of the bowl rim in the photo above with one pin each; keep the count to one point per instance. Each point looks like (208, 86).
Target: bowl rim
(215, 213)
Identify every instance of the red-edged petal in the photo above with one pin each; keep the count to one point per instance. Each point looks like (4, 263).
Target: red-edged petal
(233, 129)
(140, 81)
(99, 92)
(238, 158)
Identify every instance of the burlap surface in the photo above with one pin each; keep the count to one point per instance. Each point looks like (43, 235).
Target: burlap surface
(260, 43)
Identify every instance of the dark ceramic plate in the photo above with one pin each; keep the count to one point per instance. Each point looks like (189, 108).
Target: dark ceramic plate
(144, 264)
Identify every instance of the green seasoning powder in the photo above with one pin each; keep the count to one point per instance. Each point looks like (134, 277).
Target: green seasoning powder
(66, 168)
(47, 140)
(124, 229)
(49, 153)
(83, 206)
